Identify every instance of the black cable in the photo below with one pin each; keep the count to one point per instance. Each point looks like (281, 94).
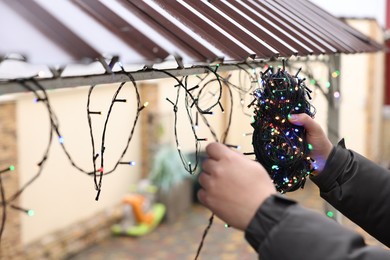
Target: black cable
(205, 232)
(4, 208)
(94, 155)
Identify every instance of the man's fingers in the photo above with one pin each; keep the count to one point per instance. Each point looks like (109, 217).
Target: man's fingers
(202, 196)
(306, 121)
(204, 180)
(209, 166)
(216, 151)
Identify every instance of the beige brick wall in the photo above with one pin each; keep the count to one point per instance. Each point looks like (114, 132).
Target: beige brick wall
(11, 240)
(57, 245)
(77, 237)
(148, 93)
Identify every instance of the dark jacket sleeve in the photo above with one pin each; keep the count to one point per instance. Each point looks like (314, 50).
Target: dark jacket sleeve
(358, 188)
(281, 229)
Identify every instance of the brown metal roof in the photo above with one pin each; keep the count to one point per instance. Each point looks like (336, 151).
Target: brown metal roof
(151, 31)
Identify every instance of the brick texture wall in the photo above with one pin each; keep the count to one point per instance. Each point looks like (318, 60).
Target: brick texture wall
(11, 241)
(75, 238)
(60, 244)
(148, 93)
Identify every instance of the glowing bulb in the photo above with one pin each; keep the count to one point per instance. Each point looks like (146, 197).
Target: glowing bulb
(143, 106)
(12, 168)
(327, 84)
(336, 94)
(330, 214)
(61, 140)
(310, 146)
(335, 73)
(30, 212)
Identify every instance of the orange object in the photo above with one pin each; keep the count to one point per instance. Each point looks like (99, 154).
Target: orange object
(136, 202)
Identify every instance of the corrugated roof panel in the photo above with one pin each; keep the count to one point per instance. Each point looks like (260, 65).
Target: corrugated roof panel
(53, 29)
(152, 31)
(369, 45)
(302, 24)
(200, 25)
(16, 30)
(170, 29)
(234, 28)
(321, 26)
(292, 24)
(92, 32)
(265, 33)
(256, 11)
(124, 30)
(142, 24)
(276, 38)
(272, 29)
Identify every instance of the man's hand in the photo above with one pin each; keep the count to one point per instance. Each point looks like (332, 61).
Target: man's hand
(233, 186)
(315, 136)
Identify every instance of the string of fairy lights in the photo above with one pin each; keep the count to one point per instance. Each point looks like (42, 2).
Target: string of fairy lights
(41, 96)
(201, 100)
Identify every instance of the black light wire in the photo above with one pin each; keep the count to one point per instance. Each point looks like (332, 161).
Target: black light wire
(102, 148)
(13, 197)
(193, 101)
(94, 155)
(41, 95)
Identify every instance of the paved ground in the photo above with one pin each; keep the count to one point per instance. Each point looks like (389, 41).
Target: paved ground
(181, 239)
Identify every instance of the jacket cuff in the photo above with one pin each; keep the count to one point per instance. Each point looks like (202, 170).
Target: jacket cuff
(266, 218)
(333, 168)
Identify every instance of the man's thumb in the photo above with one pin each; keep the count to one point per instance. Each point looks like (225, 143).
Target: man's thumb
(302, 120)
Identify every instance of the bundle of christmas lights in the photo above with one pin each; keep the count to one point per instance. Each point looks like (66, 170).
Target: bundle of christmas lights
(280, 146)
